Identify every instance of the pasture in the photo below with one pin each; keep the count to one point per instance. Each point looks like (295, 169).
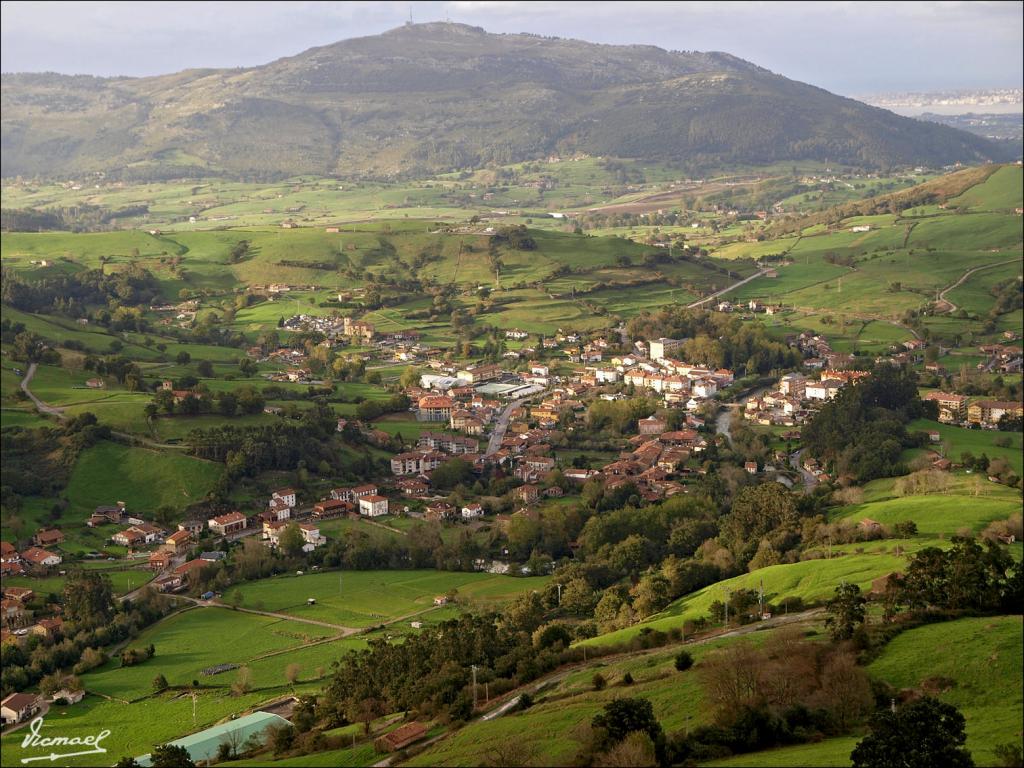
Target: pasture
(955, 441)
(982, 658)
(810, 580)
(181, 655)
(366, 598)
(143, 479)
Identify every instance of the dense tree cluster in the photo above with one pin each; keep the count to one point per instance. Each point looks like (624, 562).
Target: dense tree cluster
(967, 576)
(92, 621)
(38, 462)
(787, 690)
(862, 432)
(73, 292)
(247, 451)
(716, 340)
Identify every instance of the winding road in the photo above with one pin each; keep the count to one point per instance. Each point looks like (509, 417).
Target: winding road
(42, 407)
(52, 410)
(942, 295)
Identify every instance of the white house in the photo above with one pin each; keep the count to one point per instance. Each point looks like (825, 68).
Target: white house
(40, 557)
(471, 511)
(285, 495)
(18, 707)
(311, 536)
(704, 388)
(373, 506)
(225, 524)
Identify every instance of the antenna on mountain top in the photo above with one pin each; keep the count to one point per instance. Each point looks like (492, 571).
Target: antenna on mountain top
(409, 22)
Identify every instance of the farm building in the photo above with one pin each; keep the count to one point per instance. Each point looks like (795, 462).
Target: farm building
(401, 737)
(203, 746)
(18, 707)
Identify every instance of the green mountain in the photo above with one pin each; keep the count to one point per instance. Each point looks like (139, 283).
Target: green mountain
(429, 97)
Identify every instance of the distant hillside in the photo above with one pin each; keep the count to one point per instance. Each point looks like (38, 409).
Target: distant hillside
(438, 96)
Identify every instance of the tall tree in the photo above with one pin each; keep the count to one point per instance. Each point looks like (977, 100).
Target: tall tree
(88, 598)
(922, 734)
(846, 611)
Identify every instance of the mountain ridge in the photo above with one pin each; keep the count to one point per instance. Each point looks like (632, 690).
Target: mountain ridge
(438, 96)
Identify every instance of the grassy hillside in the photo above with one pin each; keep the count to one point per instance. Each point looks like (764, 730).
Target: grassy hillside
(981, 657)
(142, 478)
(955, 441)
(938, 517)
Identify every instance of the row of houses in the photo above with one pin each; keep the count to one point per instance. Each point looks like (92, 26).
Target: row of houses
(32, 559)
(958, 409)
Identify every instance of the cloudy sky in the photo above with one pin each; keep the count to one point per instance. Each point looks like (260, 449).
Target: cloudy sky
(852, 48)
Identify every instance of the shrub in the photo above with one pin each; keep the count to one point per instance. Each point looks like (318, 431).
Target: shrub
(598, 681)
(683, 661)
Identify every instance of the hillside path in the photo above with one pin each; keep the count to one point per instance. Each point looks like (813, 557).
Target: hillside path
(732, 287)
(942, 295)
(53, 410)
(511, 698)
(343, 631)
(42, 407)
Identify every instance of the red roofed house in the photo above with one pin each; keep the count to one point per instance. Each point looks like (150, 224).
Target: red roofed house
(49, 628)
(331, 508)
(285, 495)
(652, 425)
(18, 707)
(434, 408)
(177, 541)
(229, 523)
(186, 569)
(22, 594)
(527, 493)
(40, 557)
(159, 560)
(401, 737)
(48, 538)
(373, 506)
(8, 554)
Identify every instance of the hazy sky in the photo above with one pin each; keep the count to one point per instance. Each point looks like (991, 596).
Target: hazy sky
(847, 47)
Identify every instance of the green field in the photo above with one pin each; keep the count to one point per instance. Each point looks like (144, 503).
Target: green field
(122, 580)
(942, 515)
(981, 655)
(957, 440)
(983, 658)
(181, 655)
(970, 502)
(142, 478)
(1003, 190)
(365, 598)
(809, 580)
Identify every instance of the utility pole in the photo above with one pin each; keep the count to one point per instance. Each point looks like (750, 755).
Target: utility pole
(559, 593)
(474, 685)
